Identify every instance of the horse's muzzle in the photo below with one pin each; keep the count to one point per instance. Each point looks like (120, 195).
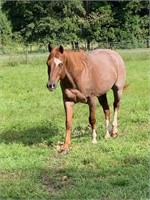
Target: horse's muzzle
(51, 86)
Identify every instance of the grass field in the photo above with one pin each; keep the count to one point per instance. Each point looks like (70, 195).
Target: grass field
(32, 123)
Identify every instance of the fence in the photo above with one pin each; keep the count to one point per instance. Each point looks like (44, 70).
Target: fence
(93, 45)
(116, 45)
(42, 48)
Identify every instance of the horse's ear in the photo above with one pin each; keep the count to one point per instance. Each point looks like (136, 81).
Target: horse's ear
(61, 49)
(50, 47)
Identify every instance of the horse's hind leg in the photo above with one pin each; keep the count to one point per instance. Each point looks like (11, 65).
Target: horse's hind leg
(117, 97)
(103, 101)
(92, 119)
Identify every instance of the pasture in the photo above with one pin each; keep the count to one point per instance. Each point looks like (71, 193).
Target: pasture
(32, 125)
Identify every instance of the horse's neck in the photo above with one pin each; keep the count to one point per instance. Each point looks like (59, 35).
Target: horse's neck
(73, 68)
(69, 80)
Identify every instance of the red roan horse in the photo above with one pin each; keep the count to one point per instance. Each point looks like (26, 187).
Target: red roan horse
(83, 77)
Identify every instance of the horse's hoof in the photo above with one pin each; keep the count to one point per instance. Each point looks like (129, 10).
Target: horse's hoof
(94, 141)
(63, 151)
(114, 135)
(107, 136)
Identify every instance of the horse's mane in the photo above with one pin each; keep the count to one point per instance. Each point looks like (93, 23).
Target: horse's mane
(76, 60)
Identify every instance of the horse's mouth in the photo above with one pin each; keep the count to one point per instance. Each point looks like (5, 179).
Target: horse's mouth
(51, 89)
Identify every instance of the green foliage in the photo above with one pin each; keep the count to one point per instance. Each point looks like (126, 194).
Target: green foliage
(45, 21)
(5, 27)
(66, 21)
(33, 121)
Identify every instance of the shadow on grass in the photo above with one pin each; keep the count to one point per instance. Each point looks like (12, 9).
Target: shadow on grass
(91, 181)
(49, 134)
(32, 135)
(88, 179)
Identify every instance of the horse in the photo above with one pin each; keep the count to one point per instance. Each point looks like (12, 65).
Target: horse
(84, 77)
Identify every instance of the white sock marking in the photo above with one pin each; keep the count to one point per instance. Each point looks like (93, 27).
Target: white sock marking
(115, 122)
(94, 140)
(107, 135)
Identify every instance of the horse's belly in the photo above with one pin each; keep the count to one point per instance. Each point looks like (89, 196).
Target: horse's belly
(96, 91)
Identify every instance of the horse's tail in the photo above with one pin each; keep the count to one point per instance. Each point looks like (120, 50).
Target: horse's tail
(126, 86)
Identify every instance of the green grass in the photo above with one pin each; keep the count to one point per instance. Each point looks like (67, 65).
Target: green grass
(32, 123)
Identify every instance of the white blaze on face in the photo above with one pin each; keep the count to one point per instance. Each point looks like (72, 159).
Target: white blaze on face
(57, 61)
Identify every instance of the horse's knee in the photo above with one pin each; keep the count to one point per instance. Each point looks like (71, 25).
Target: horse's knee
(68, 125)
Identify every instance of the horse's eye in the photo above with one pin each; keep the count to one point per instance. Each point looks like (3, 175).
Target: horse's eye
(60, 65)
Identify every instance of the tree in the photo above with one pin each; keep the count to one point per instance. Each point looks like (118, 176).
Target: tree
(42, 21)
(97, 25)
(130, 20)
(5, 28)
(66, 21)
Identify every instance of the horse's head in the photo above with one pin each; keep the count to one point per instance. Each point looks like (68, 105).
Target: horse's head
(55, 63)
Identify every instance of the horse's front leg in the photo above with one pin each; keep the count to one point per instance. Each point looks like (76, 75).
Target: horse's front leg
(68, 105)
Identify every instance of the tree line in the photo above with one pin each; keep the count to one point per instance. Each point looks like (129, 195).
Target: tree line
(70, 22)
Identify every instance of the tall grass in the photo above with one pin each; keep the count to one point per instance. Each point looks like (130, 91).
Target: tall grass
(32, 123)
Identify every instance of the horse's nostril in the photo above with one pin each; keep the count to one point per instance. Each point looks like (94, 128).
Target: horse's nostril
(51, 85)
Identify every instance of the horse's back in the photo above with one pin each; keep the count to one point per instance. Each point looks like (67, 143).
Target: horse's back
(109, 65)
(107, 56)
